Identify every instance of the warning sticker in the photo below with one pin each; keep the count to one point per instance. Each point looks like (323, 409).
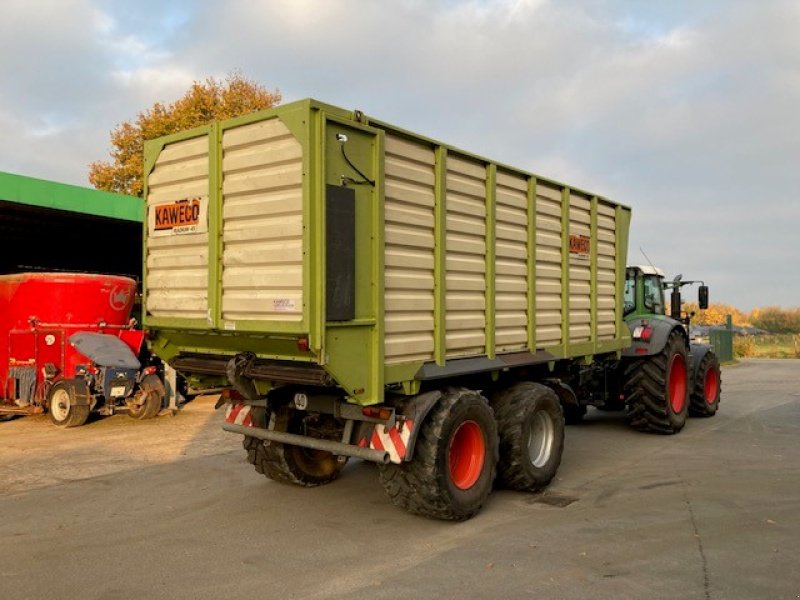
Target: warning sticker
(283, 305)
(188, 215)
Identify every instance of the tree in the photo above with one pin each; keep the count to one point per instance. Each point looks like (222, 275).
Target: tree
(204, 102)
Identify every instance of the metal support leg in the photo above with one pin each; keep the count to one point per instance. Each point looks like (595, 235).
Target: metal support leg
(171, 386)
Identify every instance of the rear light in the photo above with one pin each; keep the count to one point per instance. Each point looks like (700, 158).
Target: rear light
(229, 395)
(302, 344)
(374, 412)
(149, 371)
(642, 333)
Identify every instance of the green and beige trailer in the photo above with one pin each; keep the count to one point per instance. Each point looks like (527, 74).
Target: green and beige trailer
(363, 291)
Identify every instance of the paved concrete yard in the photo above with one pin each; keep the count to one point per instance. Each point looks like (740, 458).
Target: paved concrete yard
(169, 509)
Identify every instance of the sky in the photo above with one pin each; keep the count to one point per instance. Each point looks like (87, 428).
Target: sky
(686, 111)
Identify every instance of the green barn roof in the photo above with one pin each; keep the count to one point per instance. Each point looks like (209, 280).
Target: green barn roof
(73, 198)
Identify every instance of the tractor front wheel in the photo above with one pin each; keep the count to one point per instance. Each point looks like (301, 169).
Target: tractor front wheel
(704, 400)
(656, 388)
(451, 473)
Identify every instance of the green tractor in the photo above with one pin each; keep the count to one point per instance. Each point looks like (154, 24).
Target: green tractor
(662, 376)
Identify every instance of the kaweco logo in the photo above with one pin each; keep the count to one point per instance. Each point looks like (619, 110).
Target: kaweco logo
(187, 215)
(183, 213)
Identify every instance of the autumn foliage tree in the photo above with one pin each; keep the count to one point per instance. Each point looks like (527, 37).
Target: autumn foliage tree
(204, 102)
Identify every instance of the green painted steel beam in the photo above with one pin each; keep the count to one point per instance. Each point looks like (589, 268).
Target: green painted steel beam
(532, 264)
(593, 271)
(215, 226)
(491, 252)
(565, 194)
(440, 258)
(622, 220)
(30, 191)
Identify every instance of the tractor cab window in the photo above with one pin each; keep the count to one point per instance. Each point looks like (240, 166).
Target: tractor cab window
(629, 296)
(654, 294)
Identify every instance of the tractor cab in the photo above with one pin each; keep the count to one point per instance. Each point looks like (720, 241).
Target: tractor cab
(644, 291)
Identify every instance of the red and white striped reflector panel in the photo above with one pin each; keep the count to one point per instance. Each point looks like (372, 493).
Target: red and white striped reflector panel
(239, 414)
(393, 440)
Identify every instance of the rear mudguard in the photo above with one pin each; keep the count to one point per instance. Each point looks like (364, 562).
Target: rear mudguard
(400, 438)
(662, 328)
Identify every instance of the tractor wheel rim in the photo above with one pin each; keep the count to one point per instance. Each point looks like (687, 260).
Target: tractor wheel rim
(59, 405)
(711, 386)
(677, 384)
(467, 455)
(541, 437)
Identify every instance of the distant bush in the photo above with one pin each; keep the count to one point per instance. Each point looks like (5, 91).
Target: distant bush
(744, 346)
(776, 319)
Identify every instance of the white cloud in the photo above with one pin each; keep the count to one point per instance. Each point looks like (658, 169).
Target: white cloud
(684, 111)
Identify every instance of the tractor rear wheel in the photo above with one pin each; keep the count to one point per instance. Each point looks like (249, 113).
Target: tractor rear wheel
(704, 400)
(531, 428)
(656, 389)
(451, 473)
(64, 412)
(294, 464)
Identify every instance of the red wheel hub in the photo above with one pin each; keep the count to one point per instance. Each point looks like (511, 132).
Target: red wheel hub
(711, 386)
(467, 455)
(677, 384)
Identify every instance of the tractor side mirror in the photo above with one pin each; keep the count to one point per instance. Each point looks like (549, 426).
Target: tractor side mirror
(702, 297)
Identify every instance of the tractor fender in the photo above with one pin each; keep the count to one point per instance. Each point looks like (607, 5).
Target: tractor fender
(662, 328)
(697, 352)
(80, 395)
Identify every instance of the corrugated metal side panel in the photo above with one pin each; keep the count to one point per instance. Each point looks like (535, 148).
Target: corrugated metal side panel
(511, 270)
(549, 234)
(466, 258)
(580, 275)
(177, 265)
(606, 272)
(409, 256)
(262, 231)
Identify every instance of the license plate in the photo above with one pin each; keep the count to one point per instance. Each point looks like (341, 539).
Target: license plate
(117, 391)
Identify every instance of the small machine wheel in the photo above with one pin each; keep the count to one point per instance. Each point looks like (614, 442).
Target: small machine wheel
(293, 464)
(656, 389)
(451, 473)
(704, 400)
(148, 400)
(64, 412)
(531, 426)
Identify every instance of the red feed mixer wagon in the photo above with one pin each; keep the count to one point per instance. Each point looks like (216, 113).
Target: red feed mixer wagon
(68, 347)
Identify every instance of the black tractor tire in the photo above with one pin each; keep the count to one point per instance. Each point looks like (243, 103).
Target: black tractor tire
(285, 463)
(62, 408)
(452, 471)
(531, 428)
(656, 388)
(705, 397)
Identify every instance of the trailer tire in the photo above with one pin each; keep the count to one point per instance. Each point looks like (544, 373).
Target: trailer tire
(455, 458)
(292, 464)
(704, 400)
(531, 427)
(64, 412)
(656, 388)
